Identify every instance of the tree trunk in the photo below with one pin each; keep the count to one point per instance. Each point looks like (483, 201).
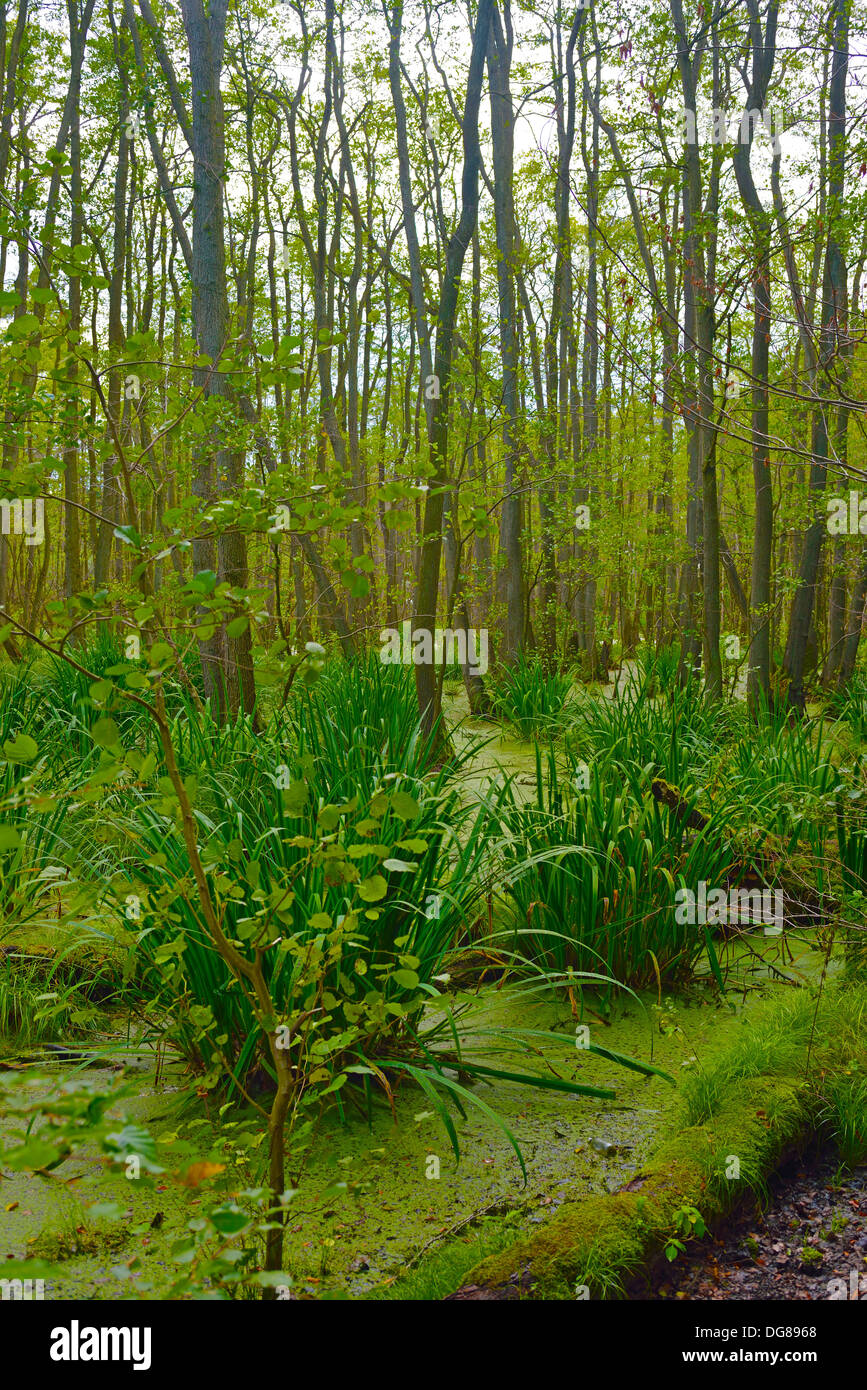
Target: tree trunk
(833, 313)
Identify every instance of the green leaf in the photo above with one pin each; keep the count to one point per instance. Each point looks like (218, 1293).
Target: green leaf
(9, 837)
(359, 851)
(35, 1155)
(105, 1211)
(295, 798)
(372, 889)
(22, 327)
(105, 733)
(21, 749)
(128, 534)
(404, 805)
(160, 654)
(229, 1221)
(713, 961)
(406, 979)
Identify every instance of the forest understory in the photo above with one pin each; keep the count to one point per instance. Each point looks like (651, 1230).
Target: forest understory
(433, 705)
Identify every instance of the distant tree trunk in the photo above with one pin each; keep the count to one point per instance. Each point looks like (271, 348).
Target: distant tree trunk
(559, 328)
(218, 470)
(833, 314)
(502, 141)
(71, 526)
(700, 419)
(110, 503)
(836, 614)
(764, 50)
(584, 445)
(664, 505)
(854, 624)
(427, 587)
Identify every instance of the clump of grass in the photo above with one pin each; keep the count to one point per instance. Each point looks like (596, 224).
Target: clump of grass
(791, 1042)
(849, 706)
(358, 725)
(260, 806)
(852, 843)
(659, 668)
(592, 868)
(530, 697)
(845, 1116)
(36, 1006)
(72, 1234)
(778, 1047)
(677, 737)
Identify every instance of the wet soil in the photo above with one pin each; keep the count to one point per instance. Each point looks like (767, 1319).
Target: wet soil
(810, 1243)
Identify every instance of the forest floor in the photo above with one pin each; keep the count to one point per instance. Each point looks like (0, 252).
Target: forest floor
(810, 1242)
(358, 1244)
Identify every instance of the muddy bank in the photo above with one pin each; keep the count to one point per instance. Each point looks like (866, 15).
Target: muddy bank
(809, 1243)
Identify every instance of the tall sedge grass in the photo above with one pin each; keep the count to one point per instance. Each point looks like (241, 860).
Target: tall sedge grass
(676, 735)
(531, 698)
(849, 706)
(592, 873)
(39, 1005)
(253, 803)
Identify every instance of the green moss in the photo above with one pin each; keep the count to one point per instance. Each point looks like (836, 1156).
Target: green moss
(749, 1121)
(444, 1269)
(68, 1245)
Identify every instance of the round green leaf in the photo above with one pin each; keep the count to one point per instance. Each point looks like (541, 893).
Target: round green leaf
(35, 1154)
(372, 889)
(21, 749)
(407, 979)
(229, 1221)
(404, 805)
(106, 733)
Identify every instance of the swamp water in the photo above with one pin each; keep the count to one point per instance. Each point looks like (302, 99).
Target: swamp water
(405, 1192)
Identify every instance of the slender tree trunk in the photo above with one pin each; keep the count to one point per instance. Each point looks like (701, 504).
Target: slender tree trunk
(502, 140)
(764, 49)
(427, 587)
(833, 313)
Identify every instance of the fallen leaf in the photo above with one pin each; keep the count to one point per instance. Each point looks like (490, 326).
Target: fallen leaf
(199, 1172)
